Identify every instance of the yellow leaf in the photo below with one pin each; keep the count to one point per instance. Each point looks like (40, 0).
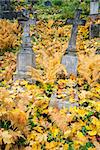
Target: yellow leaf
(91, 148)
(97, 105)
(35, 146)
(18, 117)
(95, 121)
(67, 133)
(92, 133)
(23, 82)
(55, 132)
(51, 145)
(66, 147)
(50, 23)
(7, 138)
(80, 135)
(39, 129)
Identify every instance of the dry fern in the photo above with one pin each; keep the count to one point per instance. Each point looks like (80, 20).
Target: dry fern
(55, 115)
(89, 67)
(9, 34)
(51, 67)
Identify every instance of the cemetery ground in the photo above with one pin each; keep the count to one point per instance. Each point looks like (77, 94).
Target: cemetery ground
(27, 120)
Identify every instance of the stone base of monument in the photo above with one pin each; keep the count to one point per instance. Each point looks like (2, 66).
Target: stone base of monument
(25, 59)
(23, 76)
(71, 63)
(95, 31)
(60, 103)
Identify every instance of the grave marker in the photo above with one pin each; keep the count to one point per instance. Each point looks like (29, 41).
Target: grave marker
(94, 7)
(26, 56)
(70, 59)
(94, 14)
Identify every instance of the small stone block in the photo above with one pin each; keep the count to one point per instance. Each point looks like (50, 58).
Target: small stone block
(60, 104)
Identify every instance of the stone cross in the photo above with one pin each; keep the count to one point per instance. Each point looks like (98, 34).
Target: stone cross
(70, 59)
(26, 56)
(94, 14)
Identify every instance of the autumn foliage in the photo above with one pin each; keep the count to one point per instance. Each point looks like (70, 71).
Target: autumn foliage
(9, 35)
(27, 122)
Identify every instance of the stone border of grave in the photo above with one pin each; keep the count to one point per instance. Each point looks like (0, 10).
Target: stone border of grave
(60, 103)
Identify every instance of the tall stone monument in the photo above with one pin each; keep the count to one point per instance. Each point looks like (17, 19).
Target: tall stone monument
(70, 59)
(26, 56)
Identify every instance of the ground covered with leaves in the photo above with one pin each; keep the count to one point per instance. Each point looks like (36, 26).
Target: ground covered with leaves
(27, 120)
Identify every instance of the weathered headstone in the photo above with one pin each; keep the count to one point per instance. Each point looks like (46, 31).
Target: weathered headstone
(70, 59)
(94, 14)
(94, 7)
(26, 57)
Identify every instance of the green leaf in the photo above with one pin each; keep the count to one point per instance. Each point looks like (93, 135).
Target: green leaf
(84, 130)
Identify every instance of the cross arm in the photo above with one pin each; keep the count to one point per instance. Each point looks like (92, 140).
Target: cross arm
(71, 21)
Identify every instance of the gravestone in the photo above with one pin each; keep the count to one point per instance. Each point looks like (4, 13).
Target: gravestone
(94, 7)
(94, 15)
(70, 59)
(47, 3)
(26, 56)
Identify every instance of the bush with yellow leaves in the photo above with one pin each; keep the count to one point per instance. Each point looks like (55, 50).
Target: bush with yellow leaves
(9, 34)
(89, 68)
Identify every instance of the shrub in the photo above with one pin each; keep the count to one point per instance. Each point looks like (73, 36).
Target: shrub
(9, 35)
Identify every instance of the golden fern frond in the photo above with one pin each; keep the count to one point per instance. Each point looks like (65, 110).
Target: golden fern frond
(55, 115)
(9, 33)
(89, 68)
(36, 75)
